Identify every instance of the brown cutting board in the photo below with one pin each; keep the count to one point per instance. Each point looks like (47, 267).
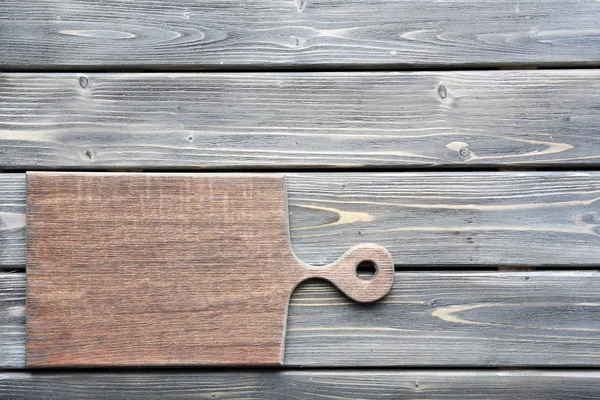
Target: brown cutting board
(168, 269)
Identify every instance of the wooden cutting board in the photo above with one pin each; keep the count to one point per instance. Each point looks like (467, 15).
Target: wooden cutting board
(168, 269)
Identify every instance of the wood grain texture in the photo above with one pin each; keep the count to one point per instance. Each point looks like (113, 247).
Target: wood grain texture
(361, 384)
(296, 33)
(299, 120)
(12, 220)
(543, 318)
(424, 219)
(168, 269)
(12, 320)
(450, 219)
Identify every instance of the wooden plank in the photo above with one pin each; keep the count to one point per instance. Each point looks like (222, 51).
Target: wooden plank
(478, 219)
(296, 33)
(12, 219)
(313, 384)
(299, 120)
(535, 318)
(12, 320)
(450, 219)
(204, 258)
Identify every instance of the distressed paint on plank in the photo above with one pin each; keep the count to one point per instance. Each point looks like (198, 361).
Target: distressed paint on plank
(299, 120)
(315, 384)
(480, 219)
(221, 34)
(542, 318)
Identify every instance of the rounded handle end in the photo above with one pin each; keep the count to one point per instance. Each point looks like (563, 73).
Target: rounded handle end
(344, 272)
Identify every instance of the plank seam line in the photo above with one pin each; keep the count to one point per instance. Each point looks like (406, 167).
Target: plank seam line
(207, 369)
(317, 170)
(311, 68)
(483, 268)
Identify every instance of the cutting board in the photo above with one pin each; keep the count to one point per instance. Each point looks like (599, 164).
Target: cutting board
(168, 269)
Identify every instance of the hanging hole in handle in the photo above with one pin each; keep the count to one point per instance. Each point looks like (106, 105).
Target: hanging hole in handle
(366, 270)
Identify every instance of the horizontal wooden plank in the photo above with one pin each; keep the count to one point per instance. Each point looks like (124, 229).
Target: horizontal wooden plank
(447, 219)
(299, 120)
(465, 319)
(314, 384)
(296, 33)
(478, 219)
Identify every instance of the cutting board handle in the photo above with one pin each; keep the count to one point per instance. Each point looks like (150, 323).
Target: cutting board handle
(343, 272)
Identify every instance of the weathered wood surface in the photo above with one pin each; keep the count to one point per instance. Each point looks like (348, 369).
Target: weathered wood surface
(424, 219)
(285, 120)
(542, 318)
(204, 258)
(296, 33)
(12, 219)
(12, 320)
(314, 384)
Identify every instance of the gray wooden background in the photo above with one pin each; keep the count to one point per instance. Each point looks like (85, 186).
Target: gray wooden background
(462, 135)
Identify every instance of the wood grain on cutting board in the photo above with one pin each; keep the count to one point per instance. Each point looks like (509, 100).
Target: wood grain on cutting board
(157, 269)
